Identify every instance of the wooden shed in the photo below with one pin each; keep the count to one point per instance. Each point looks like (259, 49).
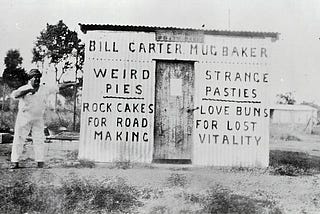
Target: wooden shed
(299, 117)
(166, 94)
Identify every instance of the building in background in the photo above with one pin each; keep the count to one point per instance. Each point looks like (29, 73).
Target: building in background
(295, 117)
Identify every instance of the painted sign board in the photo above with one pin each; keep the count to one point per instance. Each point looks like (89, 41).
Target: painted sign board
(180, 36)
(230, 115)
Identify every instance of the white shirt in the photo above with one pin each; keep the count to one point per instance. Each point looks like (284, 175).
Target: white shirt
(34, 105)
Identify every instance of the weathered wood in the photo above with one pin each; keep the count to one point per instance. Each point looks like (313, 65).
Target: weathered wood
(173, 118)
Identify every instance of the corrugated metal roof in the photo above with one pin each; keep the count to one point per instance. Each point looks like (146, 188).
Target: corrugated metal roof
(92, 27)
(293, 107)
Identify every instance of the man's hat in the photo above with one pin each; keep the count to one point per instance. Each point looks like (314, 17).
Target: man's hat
(34, 72)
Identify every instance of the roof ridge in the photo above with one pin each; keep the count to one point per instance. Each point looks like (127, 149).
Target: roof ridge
(91, 27)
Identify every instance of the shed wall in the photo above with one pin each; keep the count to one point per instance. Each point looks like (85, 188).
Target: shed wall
(293, 116)
(126, 91)
(216, 144)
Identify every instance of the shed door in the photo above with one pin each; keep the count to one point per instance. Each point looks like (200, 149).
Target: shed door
(174, 114)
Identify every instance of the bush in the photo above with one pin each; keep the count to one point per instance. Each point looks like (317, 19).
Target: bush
(123, 164)
(298, 159)
(75, 195)
(289, 170)
(293, 163)
(288, 137)
(23, 196)
(54, 122)
(175, 180)
(82, 163)
(61, 118)
(72, 155)
(108, 195)
(221, 200)
(160, 210)
(7, 121)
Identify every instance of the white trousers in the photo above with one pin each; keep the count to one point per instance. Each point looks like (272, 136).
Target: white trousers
(24, 123)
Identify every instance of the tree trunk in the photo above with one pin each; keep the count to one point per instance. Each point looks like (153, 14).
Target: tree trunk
(56, 95)
(3, 97)
(74, 106)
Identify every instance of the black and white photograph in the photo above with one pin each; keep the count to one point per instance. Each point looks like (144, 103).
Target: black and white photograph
(159, 107)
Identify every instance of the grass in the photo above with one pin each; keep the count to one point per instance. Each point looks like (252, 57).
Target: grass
(160, 210)
(113, 195)
(289, 137)
(293, 163)
(5, 150)
(177, 180)
(150, 193)
(82, 163)
(221, 200)
(72, 155)
(123, 164)
(108, 195)
(74, 195)
(7, 120)
(20, 195)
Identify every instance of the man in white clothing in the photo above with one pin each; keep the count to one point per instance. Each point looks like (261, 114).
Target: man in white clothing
(32, 103)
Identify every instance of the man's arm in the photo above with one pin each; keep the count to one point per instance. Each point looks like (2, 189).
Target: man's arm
(50, 89)
(22, 91)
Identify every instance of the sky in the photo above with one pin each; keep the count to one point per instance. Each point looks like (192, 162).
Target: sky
(296, 59)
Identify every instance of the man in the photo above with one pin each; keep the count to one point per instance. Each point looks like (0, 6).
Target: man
(32, 103)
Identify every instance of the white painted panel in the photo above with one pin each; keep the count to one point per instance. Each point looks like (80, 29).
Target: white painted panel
(231, 57)
(231, 127)
(118, 103)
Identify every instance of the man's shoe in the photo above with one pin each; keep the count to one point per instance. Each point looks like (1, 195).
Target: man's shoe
(40, 164)
(15, 165)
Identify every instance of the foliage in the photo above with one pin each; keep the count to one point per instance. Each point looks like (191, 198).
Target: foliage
(177, 180)
(298, 159)
(286, 98)
(55, 124)
(150, 193)
(82, 163)
(23, 196)
(289, 170)
(61, 46)
(6, 103)
(13, 59)
(75, 195)
(293, 163)
(160, 209)
(68, 93)
(289, 137)
(125, 164)
(5, 151)
(13, 75)
(72, 155)
(221, 200)
(7, 120)
(62, 117)
(108, 195)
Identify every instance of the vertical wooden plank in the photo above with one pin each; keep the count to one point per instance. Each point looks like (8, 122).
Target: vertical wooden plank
(174, 105)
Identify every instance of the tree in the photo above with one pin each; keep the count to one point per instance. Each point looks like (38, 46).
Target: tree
(62, 47)
(286, 98)
(14, 75)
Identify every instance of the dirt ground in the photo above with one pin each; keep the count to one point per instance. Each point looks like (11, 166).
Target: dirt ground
(299, 194)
